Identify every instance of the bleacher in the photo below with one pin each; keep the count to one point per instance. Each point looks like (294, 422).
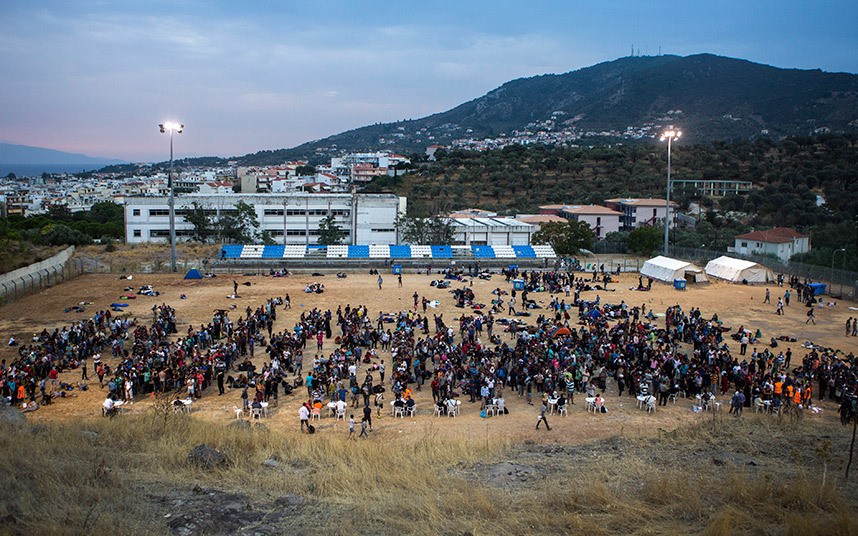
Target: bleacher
(234, 251)
(358, 252)
(400, 252)
(483, 252)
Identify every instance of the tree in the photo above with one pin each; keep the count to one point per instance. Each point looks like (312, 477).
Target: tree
(435, 230)
(306, 170)
(566, 238)
(645, 239)
(106, 212)
(59, 213)
(239, 225)
(329, 231)
(202, 222)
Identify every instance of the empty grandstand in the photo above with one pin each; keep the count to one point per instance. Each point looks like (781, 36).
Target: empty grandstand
(410, 254)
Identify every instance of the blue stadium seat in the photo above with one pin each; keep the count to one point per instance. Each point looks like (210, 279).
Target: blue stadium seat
(483, 252)
(273, 252)
(442, 252)
(358, 252)
(400, 252)
(524, 252)
(231, 251)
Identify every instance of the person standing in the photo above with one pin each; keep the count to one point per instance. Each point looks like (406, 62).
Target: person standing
(220, 374)
(234, 287)
(848, 326)
(780, 309)
(786, 297)
(380, 280)
(363, 429)
(367, 416)
(83, 375)
(304, 416)
(541, 419)
(399, 277)
(352, 427)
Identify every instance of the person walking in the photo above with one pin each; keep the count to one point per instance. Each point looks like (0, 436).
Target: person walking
(780, 309)
(768, 297)
(367, 416)
(848, 326)
(352, 427)
(363, 428)
(811, 317)
(541, 419)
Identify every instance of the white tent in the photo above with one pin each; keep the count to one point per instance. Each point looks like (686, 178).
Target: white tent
(738, 270)
(667, 270)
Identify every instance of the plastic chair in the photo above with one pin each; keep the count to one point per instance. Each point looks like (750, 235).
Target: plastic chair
(341, 414)
(399, 411)
(500, 403)
(238, 412)
(672, 397)
(438, 411)
(256, 413)
(316, 412)
(411, 410)
(650, 404)
(561, 410)
(759, 405)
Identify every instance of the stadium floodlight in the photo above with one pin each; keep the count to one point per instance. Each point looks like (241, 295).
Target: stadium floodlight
(670, 134)
(172, 126)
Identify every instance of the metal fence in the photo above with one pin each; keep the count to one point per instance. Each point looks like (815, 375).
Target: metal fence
(38, 280)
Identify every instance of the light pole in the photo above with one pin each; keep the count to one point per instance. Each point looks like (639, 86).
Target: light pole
(668, 135)
(172, 127)
(831, 278)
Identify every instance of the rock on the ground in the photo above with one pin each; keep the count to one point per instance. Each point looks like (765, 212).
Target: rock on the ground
(10, 415)
(271, 463)
(205, 456)
(214, 512)
(240, 424)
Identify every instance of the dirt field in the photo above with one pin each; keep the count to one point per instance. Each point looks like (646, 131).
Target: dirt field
(735, 305)
(625, 472)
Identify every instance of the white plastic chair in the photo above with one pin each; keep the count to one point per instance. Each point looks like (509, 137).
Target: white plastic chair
(672, 397)
(411, 410)
(256, 413)
(238, 412)
(561, 410)
(650, 404)
(316, 413)
(500, 403)
(759, 405)
(341, 414)
(399, 411)
(438, 411)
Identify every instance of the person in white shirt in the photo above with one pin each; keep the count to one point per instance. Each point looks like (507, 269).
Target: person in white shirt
(304, 415)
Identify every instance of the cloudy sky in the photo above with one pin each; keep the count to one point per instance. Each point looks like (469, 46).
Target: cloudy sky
(97, 77)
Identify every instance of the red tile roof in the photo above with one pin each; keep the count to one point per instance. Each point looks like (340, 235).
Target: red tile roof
(778, 235)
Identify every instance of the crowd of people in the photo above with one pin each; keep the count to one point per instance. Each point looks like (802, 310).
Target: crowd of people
(605, 345)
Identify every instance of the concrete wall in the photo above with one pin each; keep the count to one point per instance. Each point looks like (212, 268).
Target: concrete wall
(35, 277)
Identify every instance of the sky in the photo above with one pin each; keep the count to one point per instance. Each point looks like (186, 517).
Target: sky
(97, 77)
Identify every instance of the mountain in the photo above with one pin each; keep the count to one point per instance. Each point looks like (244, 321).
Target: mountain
(24, 160)
(709, 97)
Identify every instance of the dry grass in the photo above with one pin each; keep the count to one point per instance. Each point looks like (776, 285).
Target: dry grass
(58, 481)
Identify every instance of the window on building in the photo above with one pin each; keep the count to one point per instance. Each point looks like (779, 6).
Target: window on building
(295, 232)
(295, 212)
(384, 230)
(137, 233)
(744, 244)
(273, 212)
(135, 212)
(159, 212)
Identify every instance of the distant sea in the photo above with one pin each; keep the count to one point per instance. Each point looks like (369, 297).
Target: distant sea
(35, 170)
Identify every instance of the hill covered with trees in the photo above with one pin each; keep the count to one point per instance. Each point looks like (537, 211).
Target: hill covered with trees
(803, 182)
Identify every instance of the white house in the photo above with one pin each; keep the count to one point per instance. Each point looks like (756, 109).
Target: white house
(602, 220)
(637, 212)
(780, 241)
(492, 231)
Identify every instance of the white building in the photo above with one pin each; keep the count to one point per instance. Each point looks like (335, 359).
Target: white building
(290, 218)
(638, 212)
(780, 241)
(602, 220)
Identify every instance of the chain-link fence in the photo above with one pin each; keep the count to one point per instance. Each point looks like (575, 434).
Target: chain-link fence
(38, 279)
